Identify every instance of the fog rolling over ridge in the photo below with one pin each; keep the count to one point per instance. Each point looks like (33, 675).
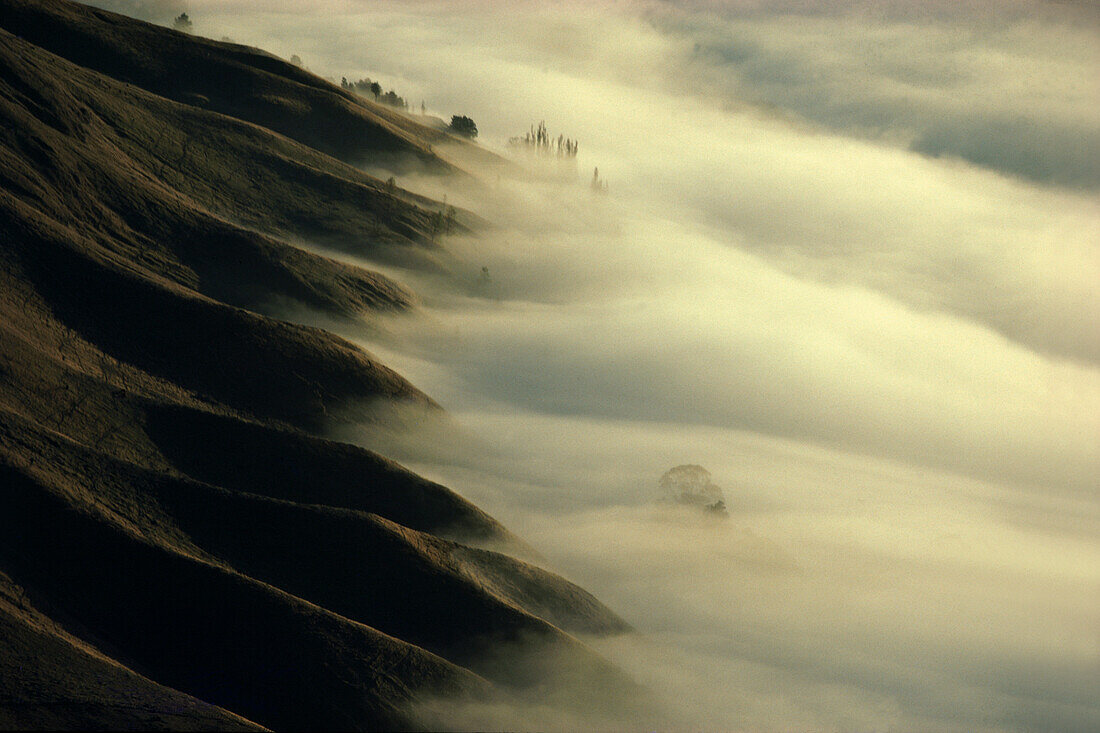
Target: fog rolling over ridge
(848, 262)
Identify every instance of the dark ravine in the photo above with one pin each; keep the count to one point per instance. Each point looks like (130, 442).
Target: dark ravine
(180, 547)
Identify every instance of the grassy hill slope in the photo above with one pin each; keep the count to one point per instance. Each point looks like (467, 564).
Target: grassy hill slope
(240, 81)
(179, 548)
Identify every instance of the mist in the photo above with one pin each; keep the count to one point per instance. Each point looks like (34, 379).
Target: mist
(848, 261)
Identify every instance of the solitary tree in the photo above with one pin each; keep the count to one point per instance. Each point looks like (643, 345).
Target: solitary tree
(463, 126)
(598, 184)
(182, 23)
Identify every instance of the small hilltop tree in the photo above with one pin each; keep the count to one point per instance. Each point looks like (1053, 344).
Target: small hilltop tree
(464, 126)
(183, 23)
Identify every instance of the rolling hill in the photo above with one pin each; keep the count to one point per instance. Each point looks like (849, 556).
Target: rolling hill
(180, 547)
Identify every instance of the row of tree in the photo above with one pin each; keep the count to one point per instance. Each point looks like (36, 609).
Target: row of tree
(538, 140)
(367, 87)
(459, 124)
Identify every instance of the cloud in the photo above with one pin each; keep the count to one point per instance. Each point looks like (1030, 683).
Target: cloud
(848, 262)
(824, 205)
(1011, 89)
(843, 592)
(613, 313)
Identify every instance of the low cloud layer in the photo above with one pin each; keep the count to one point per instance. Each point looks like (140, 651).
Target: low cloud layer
(848, 261)
(1008, 86)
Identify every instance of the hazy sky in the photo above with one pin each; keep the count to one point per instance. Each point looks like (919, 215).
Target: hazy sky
(849, 261)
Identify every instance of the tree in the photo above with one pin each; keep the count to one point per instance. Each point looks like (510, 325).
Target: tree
(464, 126)
(183, 23)
(538, 140)
(691, 484)
(296, 59)
(375, 89)
(394, 100)
(598, 184)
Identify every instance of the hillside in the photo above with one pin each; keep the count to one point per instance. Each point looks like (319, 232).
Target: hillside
(180, 548)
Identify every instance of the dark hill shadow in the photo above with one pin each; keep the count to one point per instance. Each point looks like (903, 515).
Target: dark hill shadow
(301, 375)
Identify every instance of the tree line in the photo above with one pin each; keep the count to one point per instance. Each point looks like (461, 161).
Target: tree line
(366, 87)
(538, 140)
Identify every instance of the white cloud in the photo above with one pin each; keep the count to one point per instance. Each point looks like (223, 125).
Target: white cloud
(888, 361)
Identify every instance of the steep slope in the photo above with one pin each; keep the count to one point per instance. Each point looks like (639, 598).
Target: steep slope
(141, 164)
(239, 81)
(55, 680)
(206, 629)
(243, 82)
(179, 548)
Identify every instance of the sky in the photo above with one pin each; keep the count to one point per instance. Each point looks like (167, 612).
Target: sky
(848, 260)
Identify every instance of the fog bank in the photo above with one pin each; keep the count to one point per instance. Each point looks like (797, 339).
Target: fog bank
(848, 261)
